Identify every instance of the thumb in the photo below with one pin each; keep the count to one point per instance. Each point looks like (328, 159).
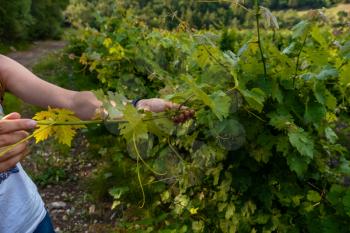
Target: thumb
(12, 116)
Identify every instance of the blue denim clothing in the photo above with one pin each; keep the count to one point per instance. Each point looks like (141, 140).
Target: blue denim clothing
(45, 226)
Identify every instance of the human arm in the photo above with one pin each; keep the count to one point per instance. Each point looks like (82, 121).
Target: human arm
(31, 89)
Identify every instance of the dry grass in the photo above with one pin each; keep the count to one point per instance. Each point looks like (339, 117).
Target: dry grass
(340, 7)
(332, 10)
(328, 11)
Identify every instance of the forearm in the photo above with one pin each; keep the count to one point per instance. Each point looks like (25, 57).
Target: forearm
(31, 89)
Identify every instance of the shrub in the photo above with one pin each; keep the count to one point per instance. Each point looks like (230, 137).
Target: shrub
(15, 19)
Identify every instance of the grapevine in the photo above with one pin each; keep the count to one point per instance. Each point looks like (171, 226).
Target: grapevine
(262, 154)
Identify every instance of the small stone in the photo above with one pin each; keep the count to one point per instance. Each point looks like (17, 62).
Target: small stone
(92, 209)
(57, 205)
(65, 218)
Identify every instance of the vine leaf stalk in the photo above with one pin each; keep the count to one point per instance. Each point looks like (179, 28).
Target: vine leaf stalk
(257, 18)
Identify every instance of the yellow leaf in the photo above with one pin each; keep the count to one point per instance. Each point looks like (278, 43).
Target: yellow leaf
(43, 133)
(117, 51)
(331, 117)
(63, 133)
(194, 211)
(107, 42)
(83, 59)
(44, 115)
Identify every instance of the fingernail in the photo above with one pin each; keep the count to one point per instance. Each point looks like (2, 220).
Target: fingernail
(31, 124)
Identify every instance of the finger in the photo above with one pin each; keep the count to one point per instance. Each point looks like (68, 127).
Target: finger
(12, 116)
(19, 149)
(7, 126)
(183, 116)
(25, 153)
(188, 113)
(173, 106)
(10, 163)
(12, 138)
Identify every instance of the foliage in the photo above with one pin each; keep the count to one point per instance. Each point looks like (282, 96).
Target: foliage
(15, 19)
(30, 19)
(48, 18)
(262, 154)
(64, 134)
(198, 14)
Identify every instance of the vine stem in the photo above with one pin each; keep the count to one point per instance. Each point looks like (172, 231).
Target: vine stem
(298, 58)
(140, 182)
(57, 123)
(143, 161)
(138, 170)
(257, 18)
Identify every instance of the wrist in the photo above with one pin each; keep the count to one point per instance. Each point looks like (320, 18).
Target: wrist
(101, 114)
(136, 102)
(85, 105)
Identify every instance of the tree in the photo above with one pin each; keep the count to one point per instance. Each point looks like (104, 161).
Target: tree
(15, 19)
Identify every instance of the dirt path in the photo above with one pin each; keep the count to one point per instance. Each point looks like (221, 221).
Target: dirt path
(37, 51)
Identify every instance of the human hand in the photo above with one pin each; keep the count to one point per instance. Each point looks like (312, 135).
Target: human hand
(161, 105)
(12, 130)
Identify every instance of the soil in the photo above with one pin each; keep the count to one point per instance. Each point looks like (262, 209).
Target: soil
(37, 51)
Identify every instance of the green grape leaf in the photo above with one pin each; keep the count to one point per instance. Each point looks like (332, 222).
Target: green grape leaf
(331, 101)
(218, 101)
(280, 119)
(346, 202)
(302, 141)
(317, 36)
(301, 29)
(261, 154)
(331, 135)
(292, 49)
(162, 127)
(255, 98)
(283, 145)
(314, 112)
(327, 73)
(229, 133)
(344, 77)
(221, 104)
(313, 196)
(297, 164)
(135, 126)
(276, 92)
(335, 194)
(323, 96)
(345, 50)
